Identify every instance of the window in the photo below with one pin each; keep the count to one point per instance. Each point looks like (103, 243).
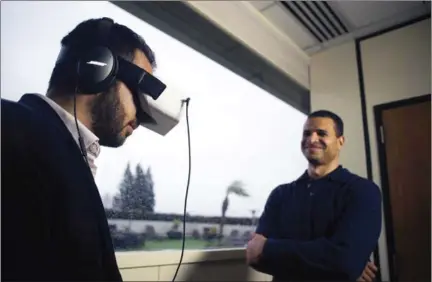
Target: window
(239, 132)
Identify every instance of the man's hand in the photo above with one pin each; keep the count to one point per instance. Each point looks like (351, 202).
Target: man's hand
(368, 274)
(254, 248)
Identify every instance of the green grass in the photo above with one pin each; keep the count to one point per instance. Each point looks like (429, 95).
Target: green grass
(151, 245)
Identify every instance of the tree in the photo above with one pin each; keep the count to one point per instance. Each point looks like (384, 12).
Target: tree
(122, 201)
(150, 188)
(144, 200)
(136, 196)
(116, 204)
(236, 188)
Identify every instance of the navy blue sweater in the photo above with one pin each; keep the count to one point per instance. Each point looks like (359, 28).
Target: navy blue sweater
(320, 230)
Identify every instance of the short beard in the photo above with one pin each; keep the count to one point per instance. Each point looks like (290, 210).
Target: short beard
(107, 118)
(314, 162)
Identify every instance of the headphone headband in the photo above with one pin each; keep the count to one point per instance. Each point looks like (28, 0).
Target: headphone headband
(104, 28)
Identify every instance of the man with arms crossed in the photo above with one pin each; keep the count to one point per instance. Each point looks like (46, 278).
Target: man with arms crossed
(325, 225)
(54, 226)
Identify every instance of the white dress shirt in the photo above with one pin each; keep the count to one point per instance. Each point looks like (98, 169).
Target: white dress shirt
(90, 140)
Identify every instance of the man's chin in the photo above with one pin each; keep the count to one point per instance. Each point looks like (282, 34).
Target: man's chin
(116, 142)
(313, 160)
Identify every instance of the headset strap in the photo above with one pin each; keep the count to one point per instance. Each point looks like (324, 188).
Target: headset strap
(104, 28)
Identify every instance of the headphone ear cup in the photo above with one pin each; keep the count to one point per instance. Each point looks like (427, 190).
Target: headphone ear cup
(96, 70)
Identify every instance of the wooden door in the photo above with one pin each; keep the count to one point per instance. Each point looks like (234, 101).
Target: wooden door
(406, 143)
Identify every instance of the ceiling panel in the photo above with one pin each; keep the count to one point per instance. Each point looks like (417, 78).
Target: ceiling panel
(318, 25)
(363, 13)
(289, 26)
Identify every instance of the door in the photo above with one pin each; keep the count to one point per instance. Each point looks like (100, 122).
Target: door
(405, 159)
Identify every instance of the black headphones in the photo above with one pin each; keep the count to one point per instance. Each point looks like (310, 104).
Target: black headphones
(98, 67)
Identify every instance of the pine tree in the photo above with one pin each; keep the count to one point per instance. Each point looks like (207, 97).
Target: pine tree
(143, 190)
(123, 199)
(126, 189)
(150, 186)
(136, 195)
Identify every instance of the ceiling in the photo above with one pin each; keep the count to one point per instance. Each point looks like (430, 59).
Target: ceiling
(317, 25)
(310, 26)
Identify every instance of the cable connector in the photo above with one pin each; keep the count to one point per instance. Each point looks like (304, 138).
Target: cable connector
(185, 101)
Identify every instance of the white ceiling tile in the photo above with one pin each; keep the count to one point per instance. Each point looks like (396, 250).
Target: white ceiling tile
(364, 13)
(286, 23)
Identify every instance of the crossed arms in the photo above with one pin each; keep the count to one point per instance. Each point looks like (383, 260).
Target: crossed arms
(346, 251)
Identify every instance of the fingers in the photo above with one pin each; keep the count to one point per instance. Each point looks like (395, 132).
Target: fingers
(369, 273)
(367, 277)
(372, 266)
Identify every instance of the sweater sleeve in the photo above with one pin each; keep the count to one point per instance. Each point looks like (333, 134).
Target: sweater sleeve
(267, 226)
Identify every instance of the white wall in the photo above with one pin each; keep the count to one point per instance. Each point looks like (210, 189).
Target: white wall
(335, 87)
(396, 65)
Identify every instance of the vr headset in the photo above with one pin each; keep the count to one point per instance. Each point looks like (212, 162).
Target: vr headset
(98, 68)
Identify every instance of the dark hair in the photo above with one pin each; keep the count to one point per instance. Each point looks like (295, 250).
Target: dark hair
(120, 39)
(338, 122)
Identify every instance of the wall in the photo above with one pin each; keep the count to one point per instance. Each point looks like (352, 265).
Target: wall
(406, 73)
(396, 65)
(210, 265)
(335, 86)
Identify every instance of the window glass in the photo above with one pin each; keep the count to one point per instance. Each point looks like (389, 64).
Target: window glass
(244, 140)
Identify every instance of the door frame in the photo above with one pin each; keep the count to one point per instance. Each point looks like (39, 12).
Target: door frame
(385, 188)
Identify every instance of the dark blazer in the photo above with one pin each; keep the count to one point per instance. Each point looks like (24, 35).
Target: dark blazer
(53, 221)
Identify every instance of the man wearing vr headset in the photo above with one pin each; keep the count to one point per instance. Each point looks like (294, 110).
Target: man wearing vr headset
(54, 225)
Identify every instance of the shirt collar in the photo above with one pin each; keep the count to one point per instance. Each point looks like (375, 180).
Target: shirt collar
(90, 140)
(340, 174)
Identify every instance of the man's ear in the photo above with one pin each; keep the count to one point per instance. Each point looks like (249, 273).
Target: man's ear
(341, 141)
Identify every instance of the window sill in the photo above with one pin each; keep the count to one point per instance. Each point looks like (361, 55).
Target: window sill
(136, 259)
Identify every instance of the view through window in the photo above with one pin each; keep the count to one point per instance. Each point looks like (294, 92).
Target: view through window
(244, 141)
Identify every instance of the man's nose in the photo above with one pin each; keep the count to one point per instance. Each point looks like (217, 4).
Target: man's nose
(313, 137)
